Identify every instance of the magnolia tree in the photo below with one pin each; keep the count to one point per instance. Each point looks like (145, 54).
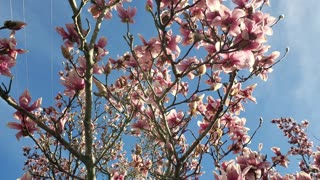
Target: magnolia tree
(165, 106)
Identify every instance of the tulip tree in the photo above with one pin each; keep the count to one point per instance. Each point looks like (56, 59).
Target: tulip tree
(164, 106)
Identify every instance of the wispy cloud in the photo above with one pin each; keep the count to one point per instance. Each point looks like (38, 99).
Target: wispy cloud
(301, 32)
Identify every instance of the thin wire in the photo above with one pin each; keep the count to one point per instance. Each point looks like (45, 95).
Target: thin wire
(14, 69)
(11, 11)
(25, 44)
(51, 46)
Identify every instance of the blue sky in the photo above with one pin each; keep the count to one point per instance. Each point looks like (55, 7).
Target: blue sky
(291, 91)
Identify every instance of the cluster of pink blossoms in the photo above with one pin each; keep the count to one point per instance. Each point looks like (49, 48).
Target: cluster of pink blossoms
(8, 56)
(254, 165)
(26, 126)
(8, 50)
(301, 145)
(73, 77)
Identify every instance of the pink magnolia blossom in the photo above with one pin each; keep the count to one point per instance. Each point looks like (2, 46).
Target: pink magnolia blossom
(70, 37)
(236, 60)
(61, 123)
(139, 126)
(126, 15)
(161, 81)
(247, 93)
(213, 5)
(316, 161)
(24, 102)
(236, 107)
(146, 53)
(25, 127)
(264, 74)
(230, 170)
(198, 11)
(72, 82)
(215, 81)
(152, 47)
(268, 61)
(186, 64)
(238, 132)
(187, 35)
(83, 65)
(303, 176)
(8, 54)
(6, 63)
(212, 106)
(96, 9)
(231, 20)
(127, 60)
(202, 125)
(259, 3)
(258, 163)
(251, 37)
(279, 158)
(211, 49)
(8, 47)
(265, 21)
(100, 50)
(264, 63)
(25, 99)
(174, 118)
(144, 60)
(172, 44)
(180, 87)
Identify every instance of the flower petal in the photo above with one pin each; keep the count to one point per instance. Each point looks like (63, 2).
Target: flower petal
(213, 5)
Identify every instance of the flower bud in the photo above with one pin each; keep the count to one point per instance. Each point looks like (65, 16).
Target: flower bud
(216, 86)
(138, 149)
(197, 37)
(202, 69)
(102, 91)
(13, 25)
(234, 91)
(281, 16)
(149, 5)
(193, 108)
(199, 98)
(107, 68)
(65, 52)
